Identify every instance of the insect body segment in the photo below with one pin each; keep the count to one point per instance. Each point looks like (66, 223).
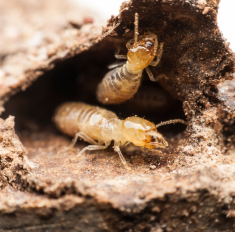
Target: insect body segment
(123, 82)
(119, 85)
(99, 127)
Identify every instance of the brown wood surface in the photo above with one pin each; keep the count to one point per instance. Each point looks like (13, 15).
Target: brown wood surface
(188, 187)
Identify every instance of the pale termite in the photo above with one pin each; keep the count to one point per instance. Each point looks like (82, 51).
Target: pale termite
(99, 127)
(121, 83)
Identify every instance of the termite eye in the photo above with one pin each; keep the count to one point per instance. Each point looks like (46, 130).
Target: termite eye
(149, 44)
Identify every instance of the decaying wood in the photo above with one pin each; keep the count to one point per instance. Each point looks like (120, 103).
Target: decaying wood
(189, 187)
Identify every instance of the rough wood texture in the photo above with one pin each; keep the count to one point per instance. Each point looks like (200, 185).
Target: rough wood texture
(189, 187)
(13, 161)
(36, 36)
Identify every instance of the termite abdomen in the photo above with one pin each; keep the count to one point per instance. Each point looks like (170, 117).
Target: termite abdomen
(118, 85)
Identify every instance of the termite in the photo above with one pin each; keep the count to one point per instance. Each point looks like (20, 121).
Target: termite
(121, 83)
(99, 127)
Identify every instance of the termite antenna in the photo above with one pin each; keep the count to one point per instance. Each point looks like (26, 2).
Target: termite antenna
(155, 45)
(171, 122)
(136, 27)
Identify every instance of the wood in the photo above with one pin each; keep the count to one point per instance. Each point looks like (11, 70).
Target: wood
(188, 187)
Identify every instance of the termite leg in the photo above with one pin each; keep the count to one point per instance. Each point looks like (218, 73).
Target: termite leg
(117, 149)
(115, 65)
(159, 55)
(93, 147)
(126, 143)
(120, 57)
(151, 77)
(84, 137)
(150, 74)
(129, 43)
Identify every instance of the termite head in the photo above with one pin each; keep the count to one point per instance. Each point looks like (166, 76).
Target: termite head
(142, 52)
(142, 133)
